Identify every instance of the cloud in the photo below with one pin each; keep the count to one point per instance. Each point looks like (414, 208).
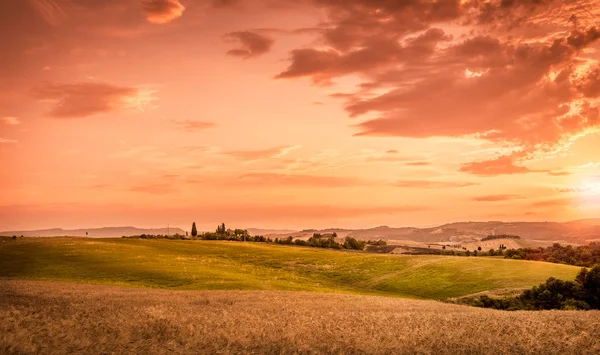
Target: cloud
(252, 44)
(503, 165)
(154, 189)
(559, 173)
(533, 90)
(497, 198)
(162, 11)
(429, 184)
(251, 155)
(4, 140)
(49, 10)
(195, 126)
(9, 120)
(270, 179)
(418, 163)
(554, 202)
(91, 98)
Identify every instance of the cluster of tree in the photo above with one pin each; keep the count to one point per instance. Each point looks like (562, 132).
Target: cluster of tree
(325, 241)
(377, 242)
(583, 293)
(584, 255)
(156, 236)
(500, 236)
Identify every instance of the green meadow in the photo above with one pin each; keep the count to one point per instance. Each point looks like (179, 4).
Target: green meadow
(219, 265)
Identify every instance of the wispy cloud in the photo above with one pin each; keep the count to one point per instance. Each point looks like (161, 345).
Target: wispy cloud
(195, 126)
(497, 198)
(252, 155)
(4, 140)
(10, 120)
(91, 98)
(430, 184)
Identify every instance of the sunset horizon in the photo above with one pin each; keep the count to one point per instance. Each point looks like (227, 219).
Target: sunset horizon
(316, 114)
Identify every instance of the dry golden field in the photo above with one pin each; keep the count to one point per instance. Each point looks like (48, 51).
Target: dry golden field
(58, 318)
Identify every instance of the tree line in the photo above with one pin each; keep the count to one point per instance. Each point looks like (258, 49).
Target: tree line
(500, 236)
(223, 233)
(581, 294)
(329, 241)
(583, 255)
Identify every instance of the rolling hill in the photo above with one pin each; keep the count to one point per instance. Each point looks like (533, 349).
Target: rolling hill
(531, 233)
(218, 265)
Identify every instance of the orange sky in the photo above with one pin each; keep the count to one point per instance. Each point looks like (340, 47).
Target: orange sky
(319, 114)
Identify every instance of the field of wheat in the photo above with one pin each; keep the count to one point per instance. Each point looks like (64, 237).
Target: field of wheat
(60, 318)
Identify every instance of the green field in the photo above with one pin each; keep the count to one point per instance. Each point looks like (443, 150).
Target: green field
(216, 265)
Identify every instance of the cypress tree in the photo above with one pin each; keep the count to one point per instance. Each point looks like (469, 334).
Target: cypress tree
(194, 230)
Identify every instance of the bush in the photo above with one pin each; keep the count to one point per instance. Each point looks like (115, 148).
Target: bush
(581, 294)
(500, 236)
(584, 255)
(351, 243)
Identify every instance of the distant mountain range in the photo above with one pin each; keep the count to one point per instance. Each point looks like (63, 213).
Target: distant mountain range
(107, 232)
(580, 231)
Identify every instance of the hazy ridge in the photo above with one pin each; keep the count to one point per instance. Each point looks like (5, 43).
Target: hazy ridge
(580, 231)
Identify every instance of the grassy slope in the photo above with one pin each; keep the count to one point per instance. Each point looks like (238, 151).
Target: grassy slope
(212, 265)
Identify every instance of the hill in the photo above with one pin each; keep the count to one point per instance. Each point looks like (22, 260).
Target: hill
(106, 232)
(469, 233)
(466, 234)
(63, 318)
(214, 265)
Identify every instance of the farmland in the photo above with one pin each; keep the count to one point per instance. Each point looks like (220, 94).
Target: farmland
(218, 265)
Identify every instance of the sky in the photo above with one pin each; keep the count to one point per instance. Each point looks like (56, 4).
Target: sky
(298, 114)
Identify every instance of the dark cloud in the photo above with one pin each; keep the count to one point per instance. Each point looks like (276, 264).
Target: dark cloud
(513, 76)
(90, 98)
(252, 44)
(504, 165)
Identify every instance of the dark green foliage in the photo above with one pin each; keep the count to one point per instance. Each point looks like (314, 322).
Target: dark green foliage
(590, 282)
(194, 230)
(584, 255)
(221, 229)
(377, 242)
(500, 236)
(351, 243)
(583, 293)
